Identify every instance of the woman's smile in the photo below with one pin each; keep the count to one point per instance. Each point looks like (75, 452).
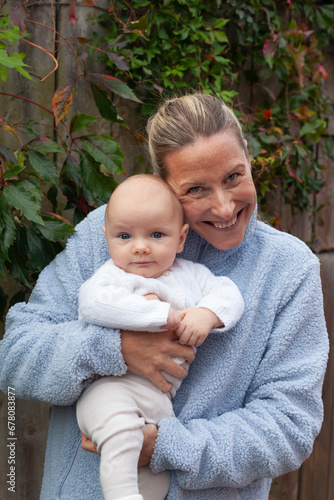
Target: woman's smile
(224, 225)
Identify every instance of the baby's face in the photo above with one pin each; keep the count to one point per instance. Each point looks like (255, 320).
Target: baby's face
(143, 238)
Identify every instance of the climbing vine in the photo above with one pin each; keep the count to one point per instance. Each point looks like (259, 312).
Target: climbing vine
(265, 58)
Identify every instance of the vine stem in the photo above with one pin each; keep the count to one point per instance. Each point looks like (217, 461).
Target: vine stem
(49, 54)
(64, 38)
(36, 104)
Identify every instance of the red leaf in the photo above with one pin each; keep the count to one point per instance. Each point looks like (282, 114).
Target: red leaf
(292, 172)
(90, 3)
(322, 71)
(72, 14)
(57, 216)
(62, 100)
(81, 39)
(19, 16)
(267, 114)
(110, 77)
(269, 47)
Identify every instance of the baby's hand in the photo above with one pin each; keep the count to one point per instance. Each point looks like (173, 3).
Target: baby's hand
(173, 319)
(195, 325)
(151, 296)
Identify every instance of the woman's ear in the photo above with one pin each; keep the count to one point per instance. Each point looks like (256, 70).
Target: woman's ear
(104, 229)
(183, 236)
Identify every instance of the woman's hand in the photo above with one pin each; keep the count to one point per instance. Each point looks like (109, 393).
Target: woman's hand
(150, 432)
(150, 437)
(147, 354)
(87, 444)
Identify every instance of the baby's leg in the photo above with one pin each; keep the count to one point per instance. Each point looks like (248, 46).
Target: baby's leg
(153, 486)
(108, 415)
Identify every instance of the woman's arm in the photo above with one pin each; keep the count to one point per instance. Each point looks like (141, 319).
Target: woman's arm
(47, 353)
(273, 432)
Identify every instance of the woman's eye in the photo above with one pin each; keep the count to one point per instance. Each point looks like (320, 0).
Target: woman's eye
(232, 177)
(124, 236)
(157, 234)
(195, 190)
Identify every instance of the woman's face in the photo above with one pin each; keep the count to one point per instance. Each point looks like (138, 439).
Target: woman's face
(212, 179)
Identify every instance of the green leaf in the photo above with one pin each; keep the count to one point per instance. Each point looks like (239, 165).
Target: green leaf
(113, 84)
(44, 167)
(7, 155)
(12, 61)
(12, 171)
(227, 95)
(98, 184)
(104, 149)
(45, 145)
(81, 121)
(38, 249)
(17, 297)
(23, 72)
(107, 110)
(55, 229)
(3, 302)
(221, 36)
(70, 171)
(3, 73)
(313, 129)
(22, 195)
(7, 227)
(220, 23)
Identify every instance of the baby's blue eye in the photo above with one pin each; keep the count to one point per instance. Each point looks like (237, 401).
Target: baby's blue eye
(157, 234)
(124, 236)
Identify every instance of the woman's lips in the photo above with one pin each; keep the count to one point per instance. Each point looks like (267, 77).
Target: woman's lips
(224, 225)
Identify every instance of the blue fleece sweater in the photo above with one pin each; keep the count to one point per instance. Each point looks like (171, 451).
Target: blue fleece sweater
(250, 407)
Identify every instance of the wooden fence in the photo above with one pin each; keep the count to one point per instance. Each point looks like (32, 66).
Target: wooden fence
(315, 479)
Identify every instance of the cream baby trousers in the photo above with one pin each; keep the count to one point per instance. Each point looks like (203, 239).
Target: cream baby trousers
(112, 412)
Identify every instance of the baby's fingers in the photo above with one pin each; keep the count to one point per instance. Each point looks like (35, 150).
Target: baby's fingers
(185, 337)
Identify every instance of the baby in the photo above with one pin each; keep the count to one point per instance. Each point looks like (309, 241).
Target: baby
(144, 287)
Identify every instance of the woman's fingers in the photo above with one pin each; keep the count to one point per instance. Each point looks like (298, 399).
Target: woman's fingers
(148, 354)
(150, 432)
(87, 444)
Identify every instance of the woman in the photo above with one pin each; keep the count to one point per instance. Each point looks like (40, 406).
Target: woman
(251, 406)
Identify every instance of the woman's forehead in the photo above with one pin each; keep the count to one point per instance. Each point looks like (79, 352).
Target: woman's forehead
(207, 157)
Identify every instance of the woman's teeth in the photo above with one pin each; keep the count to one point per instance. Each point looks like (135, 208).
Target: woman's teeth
(224, 225)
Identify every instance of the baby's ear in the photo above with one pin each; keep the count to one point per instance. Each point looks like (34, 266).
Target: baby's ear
(183, 236)
(104, 229)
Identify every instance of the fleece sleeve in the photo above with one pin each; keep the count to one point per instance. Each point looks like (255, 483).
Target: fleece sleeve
(47, 354)
(221, 296)
(106, 301)
(273, 432)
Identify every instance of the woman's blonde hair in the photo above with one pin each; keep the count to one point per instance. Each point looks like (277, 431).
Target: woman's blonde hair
(180, 121)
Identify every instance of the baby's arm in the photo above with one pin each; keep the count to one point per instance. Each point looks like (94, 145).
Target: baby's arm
(196, 324)
(106, 300)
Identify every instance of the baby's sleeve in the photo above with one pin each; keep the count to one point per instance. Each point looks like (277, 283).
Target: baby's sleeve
(222, 296)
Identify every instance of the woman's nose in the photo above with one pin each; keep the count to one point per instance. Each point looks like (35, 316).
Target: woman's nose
(223, 205)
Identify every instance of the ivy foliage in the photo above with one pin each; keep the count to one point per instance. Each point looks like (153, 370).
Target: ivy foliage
(264, 57)
(72, 163)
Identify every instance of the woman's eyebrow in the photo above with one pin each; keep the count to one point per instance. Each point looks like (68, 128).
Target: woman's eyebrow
(192, 183)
